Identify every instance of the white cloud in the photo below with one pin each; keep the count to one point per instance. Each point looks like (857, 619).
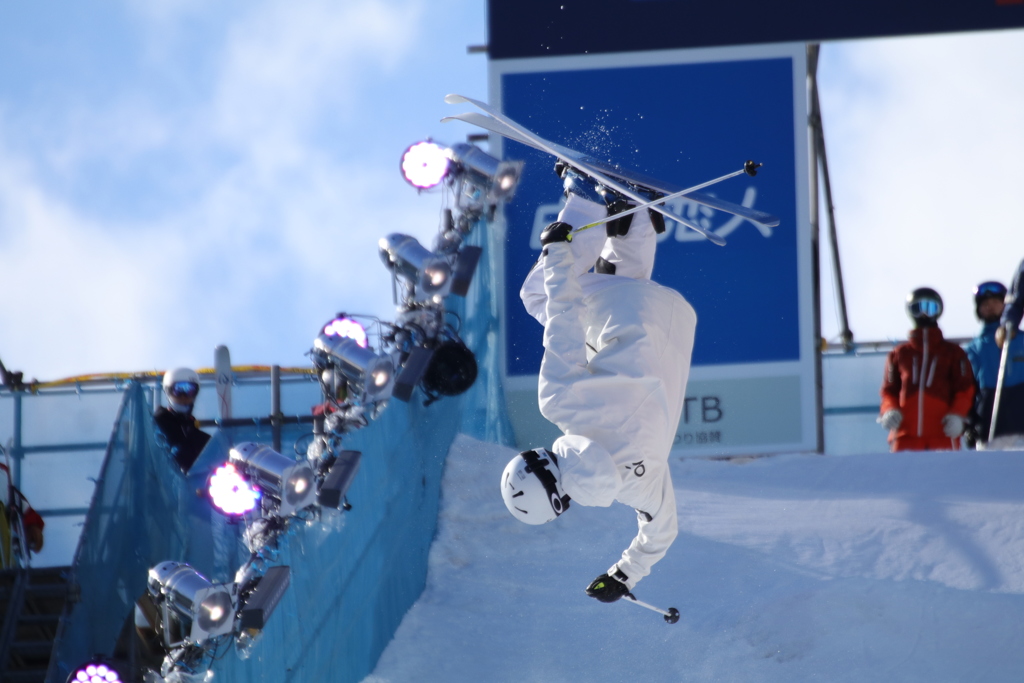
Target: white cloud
(74, 293)
(924, 144)
(232, 218)
(288, 62)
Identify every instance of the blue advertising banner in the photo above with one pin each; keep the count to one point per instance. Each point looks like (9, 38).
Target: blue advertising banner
(685, 117)
(720, 115)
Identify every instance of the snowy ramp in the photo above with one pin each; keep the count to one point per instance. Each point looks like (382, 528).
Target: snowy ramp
(904, 567)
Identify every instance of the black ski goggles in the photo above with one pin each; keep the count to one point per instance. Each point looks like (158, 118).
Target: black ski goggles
(926, 308)
(537, 465)
(183, 390)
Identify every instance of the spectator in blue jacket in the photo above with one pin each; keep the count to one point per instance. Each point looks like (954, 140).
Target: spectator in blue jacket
(985, 355)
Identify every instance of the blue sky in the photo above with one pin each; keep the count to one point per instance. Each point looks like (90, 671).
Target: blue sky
(174, 175)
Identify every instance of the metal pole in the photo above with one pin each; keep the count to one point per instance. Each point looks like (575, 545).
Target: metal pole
(819, 393)
(275, 405)
(846, 335)
(16, 452)
(1000, 379)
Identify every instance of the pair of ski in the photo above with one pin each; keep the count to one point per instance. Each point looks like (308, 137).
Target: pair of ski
(612, 177)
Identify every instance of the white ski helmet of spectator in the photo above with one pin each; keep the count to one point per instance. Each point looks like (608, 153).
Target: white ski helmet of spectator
(531, 487)
(181, 386)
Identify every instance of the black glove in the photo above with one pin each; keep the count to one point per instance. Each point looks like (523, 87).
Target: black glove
(608, 589)
(556, 232)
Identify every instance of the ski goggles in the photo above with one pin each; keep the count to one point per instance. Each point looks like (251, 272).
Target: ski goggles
(987, 289)
(926, 308)
(538, 466)
(183, 390)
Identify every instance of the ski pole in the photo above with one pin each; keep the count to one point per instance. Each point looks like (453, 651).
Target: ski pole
(999, 380)
(671, 616)
(750, 168)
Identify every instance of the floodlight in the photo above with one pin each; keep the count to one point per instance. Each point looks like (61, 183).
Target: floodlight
(452, 369)
(425, 165)
(280, 478)
(231, 492)
(184, 593)
(368, 375)
(495, 178)
(346, 328)
(263, 598)
(98, 670)
(339, 479)
(428, 273)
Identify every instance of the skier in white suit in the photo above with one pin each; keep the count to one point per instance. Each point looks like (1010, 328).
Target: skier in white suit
(617, 350)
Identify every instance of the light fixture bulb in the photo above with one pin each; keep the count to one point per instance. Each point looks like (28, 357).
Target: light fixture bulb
(348, 329)
(95, 672)
(425, 165)
(230, 492)
(437, 276)
(214, 611)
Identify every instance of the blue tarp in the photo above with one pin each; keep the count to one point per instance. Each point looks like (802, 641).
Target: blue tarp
(353, 576)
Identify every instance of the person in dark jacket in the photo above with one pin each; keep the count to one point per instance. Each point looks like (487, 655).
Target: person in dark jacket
(928, 385)
(181, 430)
(985, 354)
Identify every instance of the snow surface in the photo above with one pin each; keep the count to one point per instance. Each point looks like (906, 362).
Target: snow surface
(885, 567)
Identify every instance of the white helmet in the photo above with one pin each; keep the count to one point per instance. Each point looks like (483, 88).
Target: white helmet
(531, 487)
(181, 385)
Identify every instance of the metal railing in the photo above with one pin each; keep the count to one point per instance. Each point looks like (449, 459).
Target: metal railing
(860, 348)
(265, 396)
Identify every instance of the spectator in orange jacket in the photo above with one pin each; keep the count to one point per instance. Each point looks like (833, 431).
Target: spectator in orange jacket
(928, 385)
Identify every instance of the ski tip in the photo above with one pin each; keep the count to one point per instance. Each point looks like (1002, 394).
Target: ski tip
(715, 239)
(452, 98)
(672, 616)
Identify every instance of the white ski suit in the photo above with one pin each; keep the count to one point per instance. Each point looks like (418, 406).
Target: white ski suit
(616, 359)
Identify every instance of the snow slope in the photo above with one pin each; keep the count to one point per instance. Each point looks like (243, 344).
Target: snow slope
(792, 568)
